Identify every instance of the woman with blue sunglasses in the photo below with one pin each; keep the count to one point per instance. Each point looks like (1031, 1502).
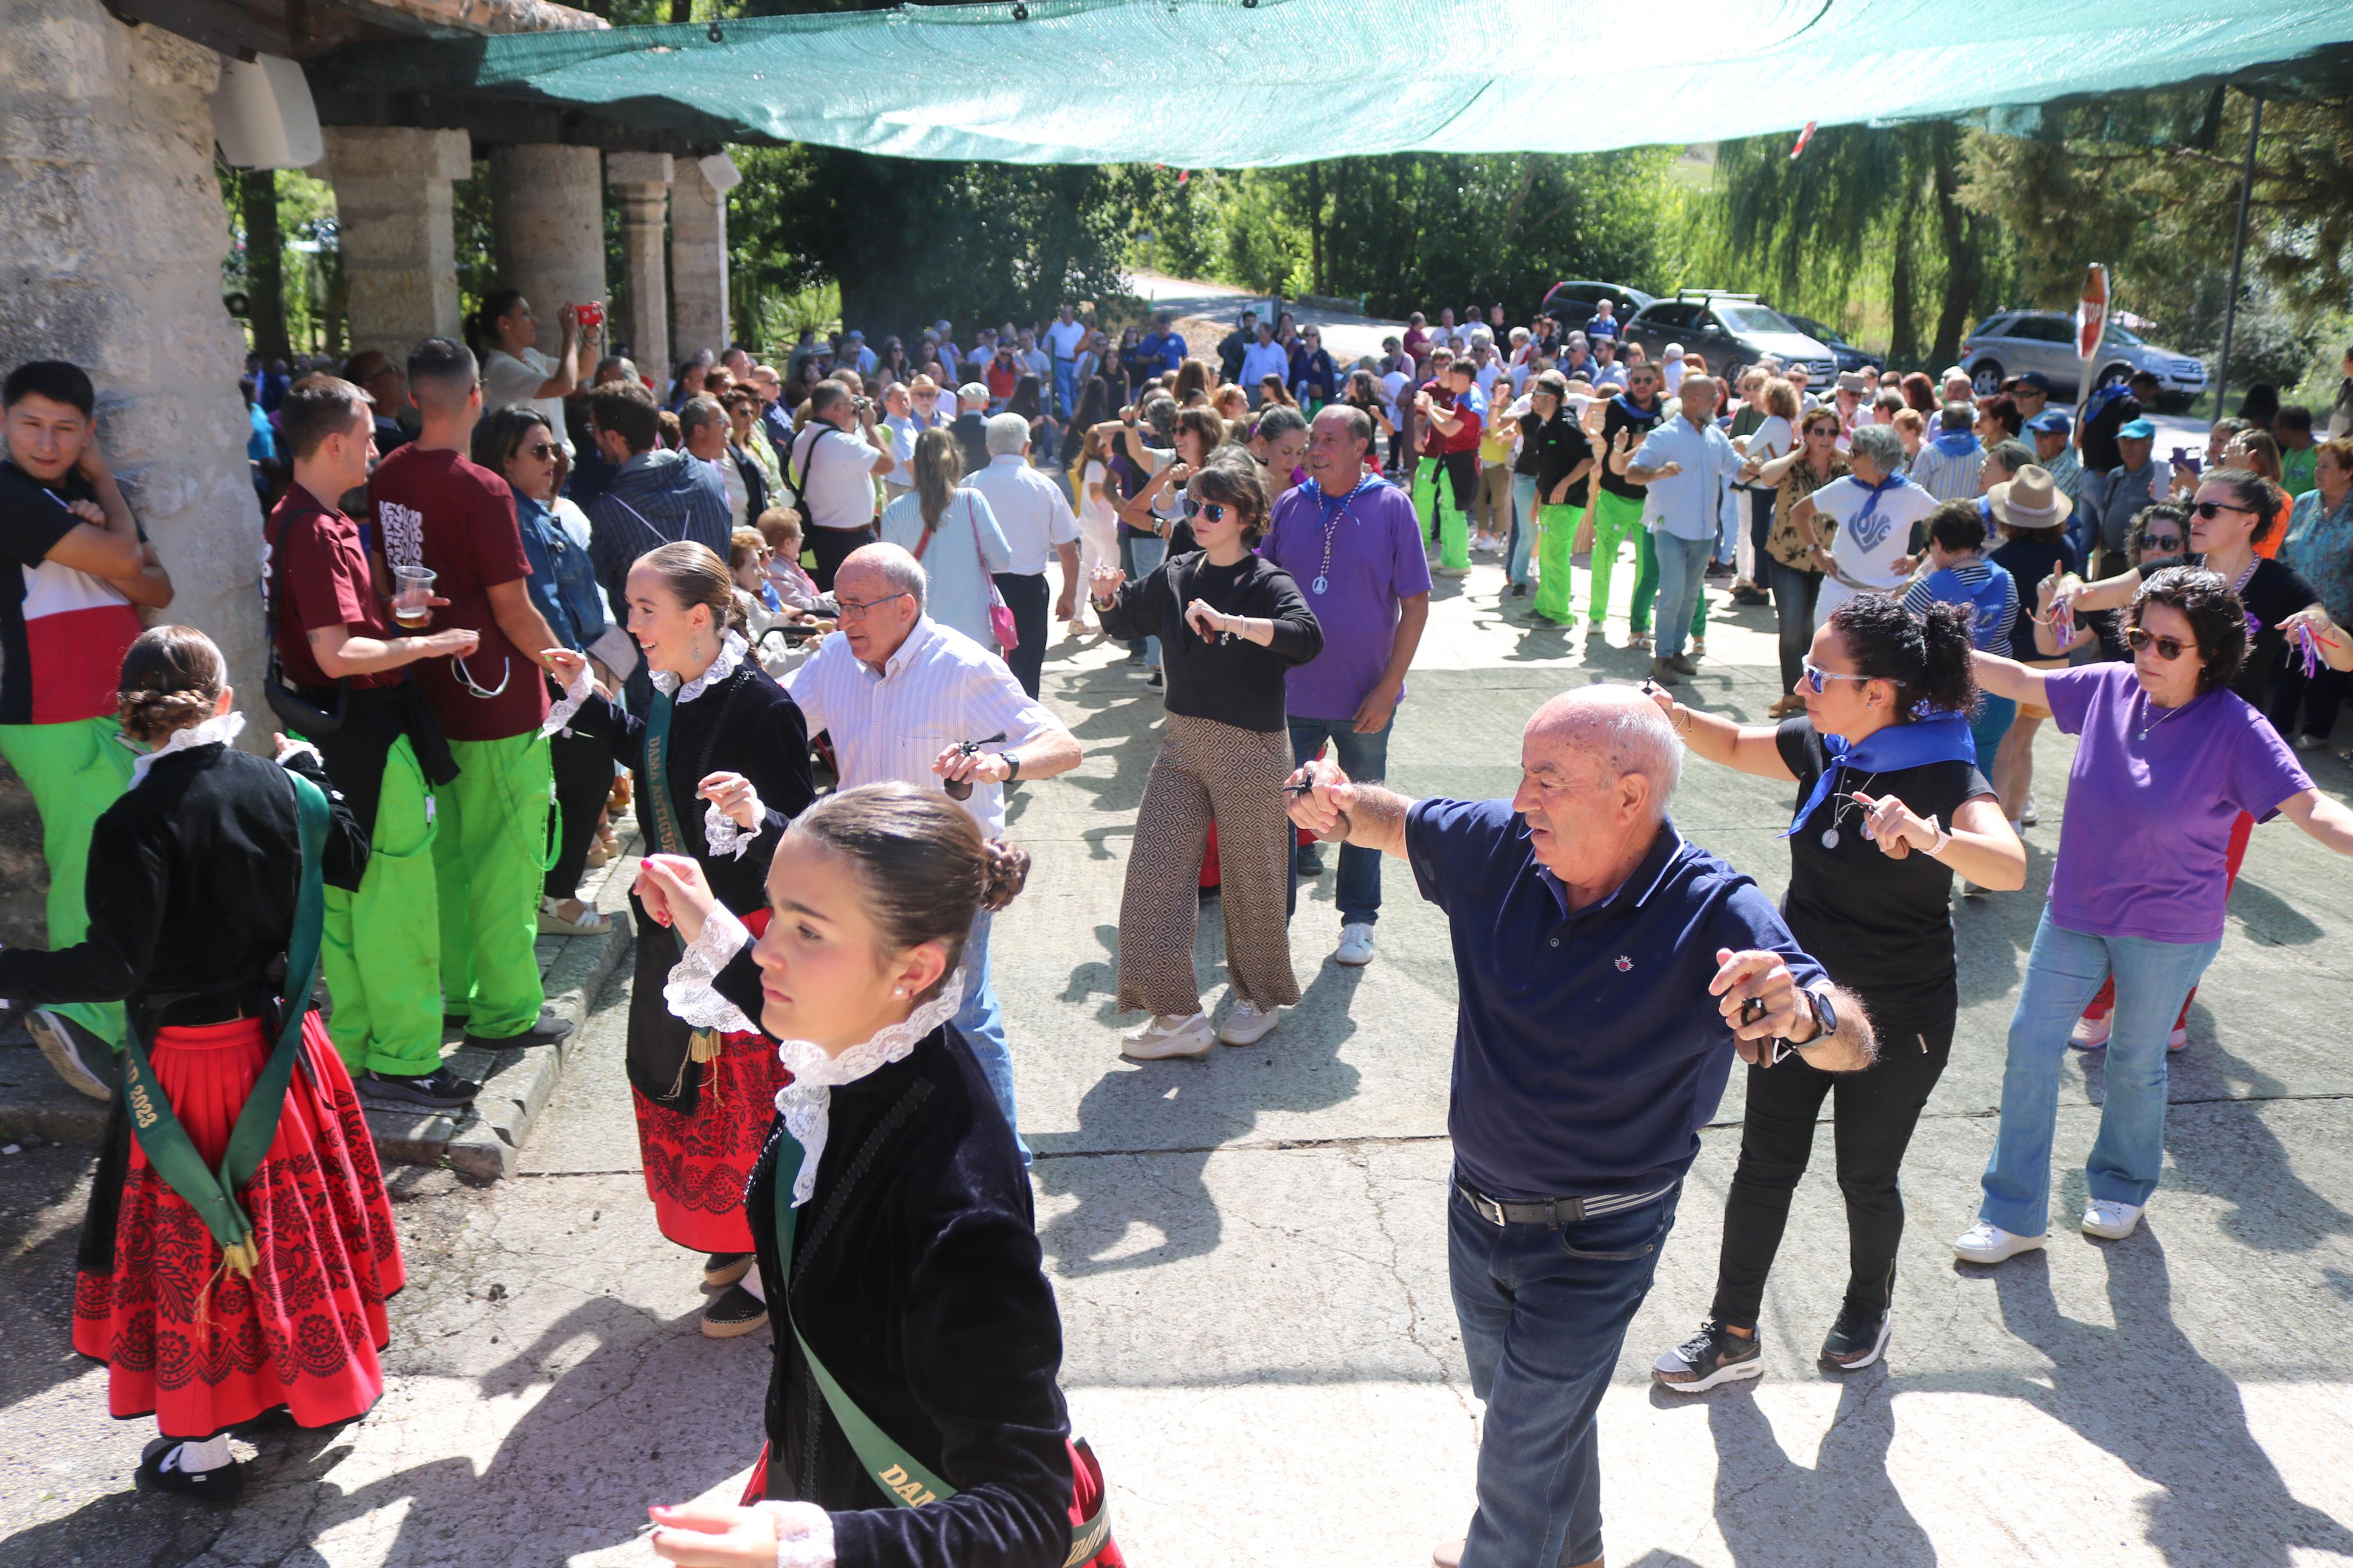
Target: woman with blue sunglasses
(1891, 807)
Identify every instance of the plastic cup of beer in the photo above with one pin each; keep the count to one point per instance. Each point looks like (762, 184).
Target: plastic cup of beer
(412, 598)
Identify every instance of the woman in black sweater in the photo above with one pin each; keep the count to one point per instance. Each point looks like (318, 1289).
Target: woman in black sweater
(1230, 624)
(893, 1220)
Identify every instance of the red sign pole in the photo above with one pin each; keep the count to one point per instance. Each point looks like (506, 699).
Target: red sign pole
(2091, 328)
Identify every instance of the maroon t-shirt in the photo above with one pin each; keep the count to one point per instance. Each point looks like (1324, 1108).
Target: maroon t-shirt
(321, 579)
(1435, 442)
(457, 520)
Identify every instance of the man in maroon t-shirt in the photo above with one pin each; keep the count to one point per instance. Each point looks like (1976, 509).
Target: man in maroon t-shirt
(1447, 408)
(337, 648)
(436, 510)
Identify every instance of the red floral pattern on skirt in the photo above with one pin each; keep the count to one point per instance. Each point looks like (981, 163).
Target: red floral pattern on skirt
(696, 1164)
(203, 1348)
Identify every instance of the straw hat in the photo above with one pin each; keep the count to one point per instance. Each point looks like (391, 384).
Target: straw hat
(2030, 499)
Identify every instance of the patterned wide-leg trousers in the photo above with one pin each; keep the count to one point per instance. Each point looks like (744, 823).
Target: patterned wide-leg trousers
(1208, 772)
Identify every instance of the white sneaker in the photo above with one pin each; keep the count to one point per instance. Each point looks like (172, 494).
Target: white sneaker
(2029, 813)
(1355, 948)
(1986, 1242)
(2092, 1033)
(2109, 1220)
(1169, 1035)
(1246, 1026)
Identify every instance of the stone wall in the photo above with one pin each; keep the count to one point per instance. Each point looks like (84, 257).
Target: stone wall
(116, 234)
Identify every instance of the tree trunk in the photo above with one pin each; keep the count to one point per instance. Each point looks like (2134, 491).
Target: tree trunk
(1903, 343)
(681, 10)
(1963, 265)
(264, 264)
(1315, 228)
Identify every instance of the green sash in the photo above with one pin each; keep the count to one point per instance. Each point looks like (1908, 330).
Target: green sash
(213, 1193)
(894, 1469)
(670, 834)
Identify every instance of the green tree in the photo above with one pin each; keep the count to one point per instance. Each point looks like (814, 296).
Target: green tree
(265, 263)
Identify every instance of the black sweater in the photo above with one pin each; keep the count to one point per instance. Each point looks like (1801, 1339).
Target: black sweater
(917, 1278)
(1229, 680)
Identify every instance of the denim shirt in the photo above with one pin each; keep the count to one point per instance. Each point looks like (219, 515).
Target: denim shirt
(563, 582)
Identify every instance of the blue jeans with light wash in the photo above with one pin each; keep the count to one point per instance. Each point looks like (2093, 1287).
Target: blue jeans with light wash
(1994, 717)
(1543, 1311)
(1365, 759)
(1523, 530)
(1066, 387)
(1682, 573)
(981, 1022)
(2064, 971)
(1147, 554)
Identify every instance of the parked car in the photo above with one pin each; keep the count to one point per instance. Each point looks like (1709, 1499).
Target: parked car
(1731, 331)
(2015, 341)
(1571, 304)
(1849, 356)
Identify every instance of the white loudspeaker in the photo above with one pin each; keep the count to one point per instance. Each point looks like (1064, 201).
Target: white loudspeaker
(720, 172)
(263, 116)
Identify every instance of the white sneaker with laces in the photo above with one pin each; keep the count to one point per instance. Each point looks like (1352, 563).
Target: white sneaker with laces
(1247, 1026)
(1986, 1242)
(1355, 948)
(2110, 1220)
(2092, 1033)
(1169, 1035)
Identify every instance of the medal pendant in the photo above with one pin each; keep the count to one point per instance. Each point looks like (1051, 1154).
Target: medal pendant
(1830, 837)
(1319, 586)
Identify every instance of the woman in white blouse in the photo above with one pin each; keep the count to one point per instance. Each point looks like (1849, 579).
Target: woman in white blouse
(1868, 547)
(514, 371)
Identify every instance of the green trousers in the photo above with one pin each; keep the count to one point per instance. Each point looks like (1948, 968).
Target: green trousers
(1616, 520)
(1646, 590)
(382, 953)
(491, 863)
(73, 771)
(1555, 542)
(1433, 503)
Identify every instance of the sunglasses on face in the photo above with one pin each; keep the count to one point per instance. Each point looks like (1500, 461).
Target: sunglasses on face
(1209, 511)
(2166, 542)
(1815, 675)
(540, 450)
(2208, 509)
(2167, 648)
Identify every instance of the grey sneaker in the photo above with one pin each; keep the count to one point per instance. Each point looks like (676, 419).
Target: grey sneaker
(86, 1062)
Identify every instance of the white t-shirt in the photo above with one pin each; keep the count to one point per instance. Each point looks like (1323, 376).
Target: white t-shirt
(1770, 439)
(1867, 547)
(1096, 511)
(517, 378)
(837, 488)
(1064, 338)
(1392, 383)
(902, 431)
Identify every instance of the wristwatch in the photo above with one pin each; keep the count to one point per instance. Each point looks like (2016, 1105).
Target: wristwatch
(1825, 1015)
(1012, 760)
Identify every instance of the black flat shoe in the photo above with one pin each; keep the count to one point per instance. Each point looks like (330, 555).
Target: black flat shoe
(218, 1487)
(725, 1268)
(441, 1089)
(546, 1031)
(735, 1312)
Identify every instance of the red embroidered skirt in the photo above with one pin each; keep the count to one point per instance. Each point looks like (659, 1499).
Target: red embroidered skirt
(201, 1348)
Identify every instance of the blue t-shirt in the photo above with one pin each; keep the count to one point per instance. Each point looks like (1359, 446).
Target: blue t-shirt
(1587, 1052)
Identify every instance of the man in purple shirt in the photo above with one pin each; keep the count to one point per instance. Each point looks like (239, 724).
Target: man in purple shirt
(1351, 541)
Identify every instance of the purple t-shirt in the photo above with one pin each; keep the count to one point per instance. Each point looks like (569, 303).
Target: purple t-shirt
(1375, 560)
(2149, 817)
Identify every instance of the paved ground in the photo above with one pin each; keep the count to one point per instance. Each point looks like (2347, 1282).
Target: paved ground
(1249, 1256)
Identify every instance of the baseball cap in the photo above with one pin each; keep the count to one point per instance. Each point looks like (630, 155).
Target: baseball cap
(2035, 379)
(2054, 422)
(2136, 430)
(973, 389)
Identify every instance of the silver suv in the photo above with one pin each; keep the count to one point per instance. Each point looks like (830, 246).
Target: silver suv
(2015, 341)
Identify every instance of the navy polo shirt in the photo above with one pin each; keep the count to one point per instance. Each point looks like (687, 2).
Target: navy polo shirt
(1587, 1052)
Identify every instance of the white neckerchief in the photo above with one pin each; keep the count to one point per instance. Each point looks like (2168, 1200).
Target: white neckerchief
(222, 728)
(731, 650)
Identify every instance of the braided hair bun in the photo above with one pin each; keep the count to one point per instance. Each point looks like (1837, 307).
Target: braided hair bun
(1004, 872)
(171, 677)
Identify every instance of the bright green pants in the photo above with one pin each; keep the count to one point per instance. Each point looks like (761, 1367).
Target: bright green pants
(73, 771)
(1433, 503)
(1616, 520)
(383, 948)
(1646, 590)
(490, 861)
(1556, 541)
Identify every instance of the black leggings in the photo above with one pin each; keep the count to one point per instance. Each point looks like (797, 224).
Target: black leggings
(584, 781)
(1872, 1124)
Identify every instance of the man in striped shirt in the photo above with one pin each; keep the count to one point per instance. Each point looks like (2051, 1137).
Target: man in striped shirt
(1946, 465)
(904, 696)
(1960, 574)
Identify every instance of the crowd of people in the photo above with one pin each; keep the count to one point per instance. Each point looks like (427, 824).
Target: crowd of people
(796, 620)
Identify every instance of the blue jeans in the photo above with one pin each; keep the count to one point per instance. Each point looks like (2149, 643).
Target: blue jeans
(981, 1022)
(1543, 1311)
(1066, 386)
(1523, 530)
(1994, 717)
(2063, 973)
(1683, 572)
(1365, 759)
(1147, 554)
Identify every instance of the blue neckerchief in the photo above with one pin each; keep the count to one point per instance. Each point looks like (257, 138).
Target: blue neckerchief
(1873, 538)
(1955, 443)
(1935, 737)
(1635, 412)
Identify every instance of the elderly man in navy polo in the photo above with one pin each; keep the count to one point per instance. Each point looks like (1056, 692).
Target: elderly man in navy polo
(1609, 971)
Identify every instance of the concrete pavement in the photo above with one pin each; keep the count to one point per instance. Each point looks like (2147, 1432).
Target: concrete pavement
(1249, 1256)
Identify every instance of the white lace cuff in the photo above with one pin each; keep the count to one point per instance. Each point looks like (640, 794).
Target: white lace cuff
(290, 747)
(804, 1534)
(688, 991)
(573, 696)
(723, 836)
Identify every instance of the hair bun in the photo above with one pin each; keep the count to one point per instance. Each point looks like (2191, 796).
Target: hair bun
(1004, 872)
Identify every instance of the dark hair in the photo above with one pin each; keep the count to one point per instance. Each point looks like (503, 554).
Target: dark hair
(2012, 454)
(695, 575)
(827, 395)
(1958, 525)
(1927, 657)
(57, 380)
(2003, 409)
(1025, 400)
(2251, 490)
(1278, 421)
(1359, 423)
(497, 305)
(921, 861)
(2293, 416)
(1919, 391)
(171, 677)
(440, 368)
(2216, 617)
(496, 439)
(939, 469)
(2259, 405)
(316, 407)
(1230, 477)
(699, 410)
(2136, 536)
(627, 409)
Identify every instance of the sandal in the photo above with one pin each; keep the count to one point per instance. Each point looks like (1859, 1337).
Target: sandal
(553, 922)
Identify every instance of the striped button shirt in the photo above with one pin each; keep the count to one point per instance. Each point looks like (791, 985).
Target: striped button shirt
(1948, 475)
(939, 689)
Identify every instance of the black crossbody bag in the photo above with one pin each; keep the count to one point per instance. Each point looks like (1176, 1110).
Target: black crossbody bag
(297, 712)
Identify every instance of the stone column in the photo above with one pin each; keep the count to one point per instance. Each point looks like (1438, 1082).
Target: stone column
(643, 179)
(697, 254)
(547, 228)
(392, 202)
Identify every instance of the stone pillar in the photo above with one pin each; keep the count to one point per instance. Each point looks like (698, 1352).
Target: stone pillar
(643, 179)
(547, 228)
(393, 205)
(698, 256)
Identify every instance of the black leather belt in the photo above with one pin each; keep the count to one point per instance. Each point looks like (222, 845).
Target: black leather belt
(1553, 1210)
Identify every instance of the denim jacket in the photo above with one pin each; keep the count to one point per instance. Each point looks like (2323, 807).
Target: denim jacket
(563, 580)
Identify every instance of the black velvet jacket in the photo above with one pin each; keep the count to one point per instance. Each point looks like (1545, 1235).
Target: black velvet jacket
(917, 1277)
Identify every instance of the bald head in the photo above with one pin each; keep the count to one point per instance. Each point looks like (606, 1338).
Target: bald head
(1617, 730)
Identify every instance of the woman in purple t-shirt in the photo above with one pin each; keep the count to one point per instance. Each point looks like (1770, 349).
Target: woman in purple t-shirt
(2169, 759)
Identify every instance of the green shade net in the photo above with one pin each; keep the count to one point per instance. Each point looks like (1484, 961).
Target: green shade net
(1225, 84)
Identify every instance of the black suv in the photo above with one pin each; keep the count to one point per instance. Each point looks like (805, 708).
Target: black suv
(1731, 331)
(1849, 356)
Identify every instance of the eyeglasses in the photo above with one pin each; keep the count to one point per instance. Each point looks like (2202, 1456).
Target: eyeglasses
(2167, 648)
(2162, 541)
(853, 610)
(1815, 675)
(2209, 508)
(466, 679)
(1214, 511)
